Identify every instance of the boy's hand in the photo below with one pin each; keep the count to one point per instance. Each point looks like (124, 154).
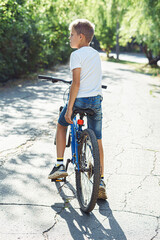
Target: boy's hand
(68, 116)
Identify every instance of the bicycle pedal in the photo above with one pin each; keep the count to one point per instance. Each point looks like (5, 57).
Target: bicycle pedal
(58, 180)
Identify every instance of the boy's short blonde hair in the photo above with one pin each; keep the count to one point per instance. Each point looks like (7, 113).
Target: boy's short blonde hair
(83, 26)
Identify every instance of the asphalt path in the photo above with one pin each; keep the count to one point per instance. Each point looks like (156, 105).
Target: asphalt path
(31, 207)
(133, 57)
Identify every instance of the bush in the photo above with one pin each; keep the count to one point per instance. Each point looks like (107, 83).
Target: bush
(30, 40)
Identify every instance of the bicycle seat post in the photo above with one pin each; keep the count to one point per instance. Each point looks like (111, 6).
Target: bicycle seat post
(81, 116)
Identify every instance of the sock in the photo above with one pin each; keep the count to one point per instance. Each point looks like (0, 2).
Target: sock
(102, 177)
(59, 161)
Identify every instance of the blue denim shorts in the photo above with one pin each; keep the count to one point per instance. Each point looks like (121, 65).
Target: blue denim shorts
(94, 122)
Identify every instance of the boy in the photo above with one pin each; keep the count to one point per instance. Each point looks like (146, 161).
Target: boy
(85, 92)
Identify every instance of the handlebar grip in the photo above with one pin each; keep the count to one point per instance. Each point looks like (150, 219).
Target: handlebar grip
(44, 77)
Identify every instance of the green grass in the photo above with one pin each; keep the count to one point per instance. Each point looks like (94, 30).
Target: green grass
(138, 67)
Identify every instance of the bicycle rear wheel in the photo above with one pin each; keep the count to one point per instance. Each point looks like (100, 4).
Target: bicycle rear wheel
(88, 177)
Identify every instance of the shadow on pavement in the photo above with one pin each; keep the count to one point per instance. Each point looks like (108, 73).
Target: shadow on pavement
(82, 225)
(27, 114)
(155, 88)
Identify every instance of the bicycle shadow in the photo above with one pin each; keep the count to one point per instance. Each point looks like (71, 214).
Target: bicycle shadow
(88, 225)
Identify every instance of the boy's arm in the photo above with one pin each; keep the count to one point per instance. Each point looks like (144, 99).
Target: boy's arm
(73, 93)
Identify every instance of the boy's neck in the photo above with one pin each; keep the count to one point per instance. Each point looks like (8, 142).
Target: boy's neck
(83, 45)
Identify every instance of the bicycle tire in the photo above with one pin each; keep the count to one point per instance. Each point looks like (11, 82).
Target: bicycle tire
(88, 177)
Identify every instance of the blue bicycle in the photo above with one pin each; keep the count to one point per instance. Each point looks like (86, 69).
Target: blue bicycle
(85, 155)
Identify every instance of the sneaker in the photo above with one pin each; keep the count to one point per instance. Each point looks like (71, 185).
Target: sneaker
(58, 172)
(102, 190)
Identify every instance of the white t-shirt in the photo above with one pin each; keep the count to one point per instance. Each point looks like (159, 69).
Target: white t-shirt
(88, 60)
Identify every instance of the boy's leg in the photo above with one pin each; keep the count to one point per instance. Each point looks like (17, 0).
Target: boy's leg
(58, 170)
(61, 133)
(102, 188)
(61, 140)
(95, 126)
(101, 156)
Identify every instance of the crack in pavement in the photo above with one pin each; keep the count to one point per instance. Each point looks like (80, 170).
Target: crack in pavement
(154, 163)
(105, 218)
(157, 229)
(116, 169)
(17, 150)
(24, 204)
(5, 154)
(66, 200)
(118, 161)
(133, 190)
(44, 233)
(145, 177)
(136, 213)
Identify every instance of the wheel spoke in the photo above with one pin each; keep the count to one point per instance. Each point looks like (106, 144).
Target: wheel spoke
(87, 178)
(87, 181)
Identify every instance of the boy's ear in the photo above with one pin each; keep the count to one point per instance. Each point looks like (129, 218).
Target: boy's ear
(81, 35)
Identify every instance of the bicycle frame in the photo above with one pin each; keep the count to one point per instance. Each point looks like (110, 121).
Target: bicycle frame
(88, 170)
(75, 130)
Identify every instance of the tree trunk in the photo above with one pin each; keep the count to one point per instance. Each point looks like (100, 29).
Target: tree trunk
(107, 52)
(151, 60)
(117, 41)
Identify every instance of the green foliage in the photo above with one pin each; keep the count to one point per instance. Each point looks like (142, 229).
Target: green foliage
(18, 40)
(105, 28)
(141, 22)
(34, 34)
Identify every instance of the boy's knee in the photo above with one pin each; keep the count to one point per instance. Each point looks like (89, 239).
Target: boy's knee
(61, 127)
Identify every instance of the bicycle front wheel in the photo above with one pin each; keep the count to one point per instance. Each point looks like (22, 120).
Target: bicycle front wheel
(88, 176)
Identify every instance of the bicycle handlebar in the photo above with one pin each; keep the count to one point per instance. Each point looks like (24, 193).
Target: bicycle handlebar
(54, 80)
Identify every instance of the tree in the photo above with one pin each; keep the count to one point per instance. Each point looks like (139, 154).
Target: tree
(19, 39)
(104, 31)
(34, 34)
(141, 22)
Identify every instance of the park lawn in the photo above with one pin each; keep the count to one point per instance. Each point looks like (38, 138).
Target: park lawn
(138, 67)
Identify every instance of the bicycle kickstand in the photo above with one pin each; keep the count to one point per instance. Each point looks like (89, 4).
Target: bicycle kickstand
(68, 161)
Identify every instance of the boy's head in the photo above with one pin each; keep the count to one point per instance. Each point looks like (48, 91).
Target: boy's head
(83, 28)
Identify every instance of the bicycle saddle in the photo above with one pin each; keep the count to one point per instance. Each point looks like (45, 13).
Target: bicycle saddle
(86, 111)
